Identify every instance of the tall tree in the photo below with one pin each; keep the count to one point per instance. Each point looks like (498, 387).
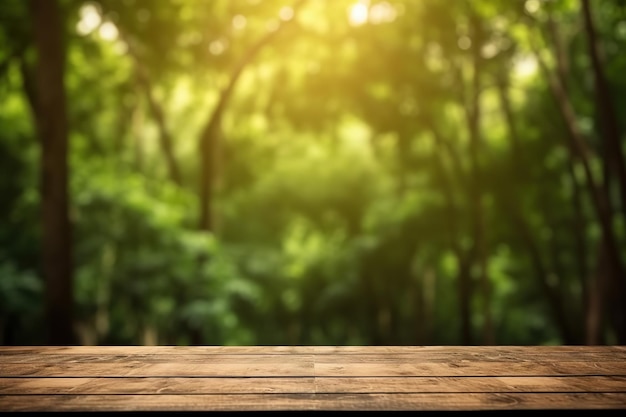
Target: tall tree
(579, 150)
(52, 127)
(615, 153)
(209, 136)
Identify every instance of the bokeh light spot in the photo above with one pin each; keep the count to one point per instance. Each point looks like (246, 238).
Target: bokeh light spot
(358, 14)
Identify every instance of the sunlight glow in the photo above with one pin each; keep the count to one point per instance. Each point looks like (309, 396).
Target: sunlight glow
(239, 22)
(286, 13)
(217, 47)
(465, 42)
(108, 31)
(525, 66)
(489, 50)
(89, 19)
(532, 6)
(358, 14)
(382, 13)
(355, 134)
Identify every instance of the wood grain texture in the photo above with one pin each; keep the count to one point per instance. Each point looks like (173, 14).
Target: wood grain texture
(328, 402)
(308, 368)
(309, 385)
(284, 378)
(311, 350)
(335, 357)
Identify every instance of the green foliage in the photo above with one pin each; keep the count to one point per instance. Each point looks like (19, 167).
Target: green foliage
(20, 295)
(353, 198)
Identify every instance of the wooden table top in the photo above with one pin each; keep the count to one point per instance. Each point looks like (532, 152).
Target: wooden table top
(301, 378)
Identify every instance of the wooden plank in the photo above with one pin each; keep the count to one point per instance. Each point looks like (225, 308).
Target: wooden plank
(150, 350)
(158, 386)
(470, 384)
(470, 369)
(32, 358)
(252, 369)
(324, 402)
(139, 369)
(304, 350)
(469, 356)
(272, 378)
(609, 356)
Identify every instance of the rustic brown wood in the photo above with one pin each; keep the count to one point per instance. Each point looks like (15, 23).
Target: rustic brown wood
(428, 356)
(248, 367)
(310, 350)
(329, 402)
(344, 378)
(310, 385)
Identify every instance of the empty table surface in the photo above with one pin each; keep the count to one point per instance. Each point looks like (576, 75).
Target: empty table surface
(309, 378)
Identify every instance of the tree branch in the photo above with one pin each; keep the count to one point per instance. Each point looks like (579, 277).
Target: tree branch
(208, 137)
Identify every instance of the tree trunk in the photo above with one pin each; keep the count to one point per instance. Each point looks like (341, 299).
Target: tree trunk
(52, 128)
(166, 141)
(560, 53)
(612, 137)
(464, 279)
(514, 212)
(137, 144)
(596, 300)
(606, 108)
(209, 138)
(579, 226)
(473, 116)
(599, 195)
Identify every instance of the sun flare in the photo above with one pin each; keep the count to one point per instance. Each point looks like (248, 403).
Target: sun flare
(358, 14)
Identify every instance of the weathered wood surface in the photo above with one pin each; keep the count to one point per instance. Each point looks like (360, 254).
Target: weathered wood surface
(256, 378)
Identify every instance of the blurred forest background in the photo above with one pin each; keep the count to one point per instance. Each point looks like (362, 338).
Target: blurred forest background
(321, 172)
